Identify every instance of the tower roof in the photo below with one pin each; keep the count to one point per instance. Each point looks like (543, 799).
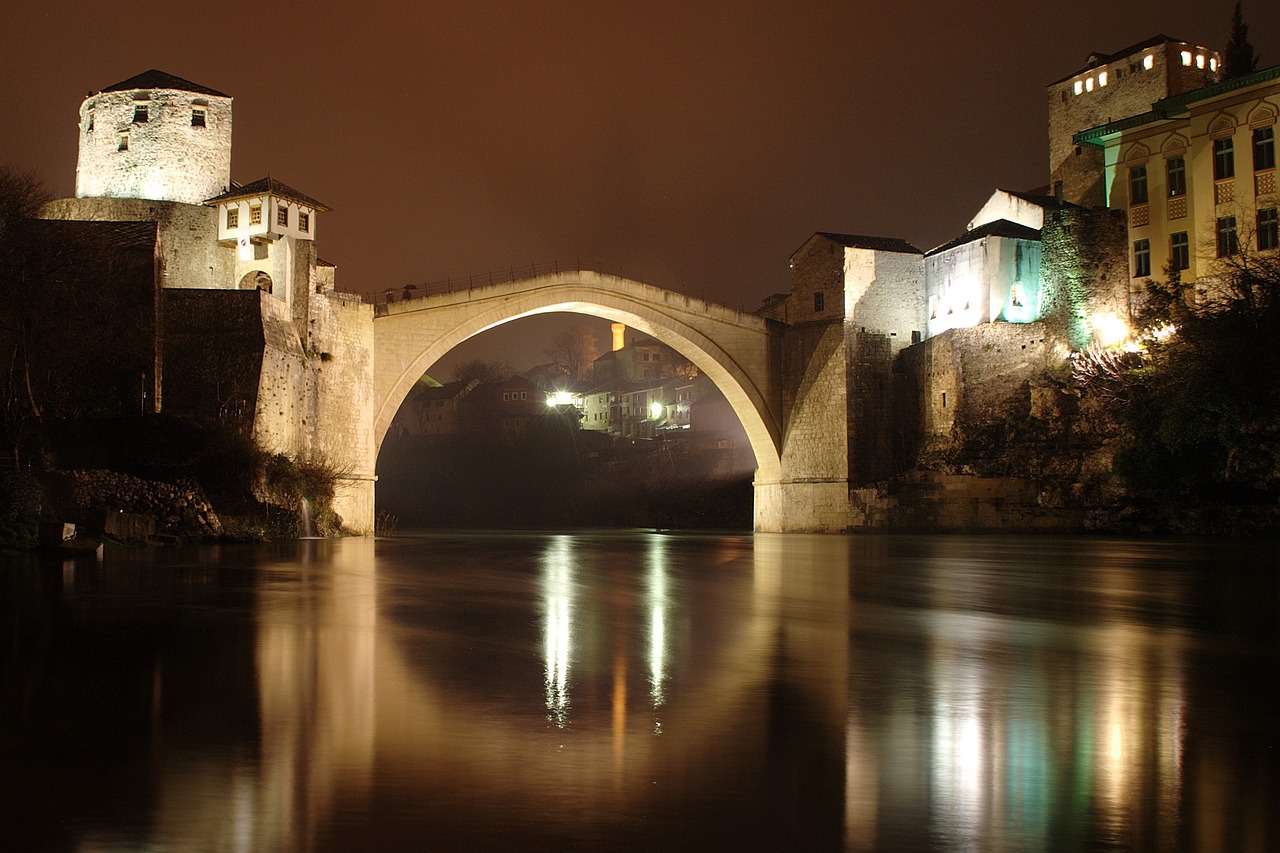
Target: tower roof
(265, 186)
(156, 79)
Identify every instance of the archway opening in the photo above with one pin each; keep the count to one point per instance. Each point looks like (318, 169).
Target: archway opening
(505, 428)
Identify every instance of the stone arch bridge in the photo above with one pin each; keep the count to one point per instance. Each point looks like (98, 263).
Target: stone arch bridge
(739, 352)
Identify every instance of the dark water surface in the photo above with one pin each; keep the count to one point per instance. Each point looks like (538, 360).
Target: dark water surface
(639, 691)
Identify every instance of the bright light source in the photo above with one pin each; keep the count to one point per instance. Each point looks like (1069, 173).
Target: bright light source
(560, 398)
(1111, 329)
(1102, 78)
(1199, 60)
(1079, 86)
(1213, 64)
(1088, 85)
(1148, 62)
(655, 410)
(1186, 57)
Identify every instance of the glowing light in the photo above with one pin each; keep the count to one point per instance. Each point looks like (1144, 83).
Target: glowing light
(1186, 57)
(561, 398)
(1088, 85)
(1213, 64)
(1110, 329)
(1102, 78)
(1148, 62)
(655, 410)
(1079, 86)
(1199, 60)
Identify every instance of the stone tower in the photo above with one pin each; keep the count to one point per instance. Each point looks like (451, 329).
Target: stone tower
(155, 136)
(1111, 87)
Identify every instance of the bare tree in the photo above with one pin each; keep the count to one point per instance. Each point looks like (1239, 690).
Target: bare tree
(574, 351)
(482, 371)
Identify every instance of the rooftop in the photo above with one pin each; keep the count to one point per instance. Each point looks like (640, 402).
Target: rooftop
(998, 228)
(267, 186)
(156, 79)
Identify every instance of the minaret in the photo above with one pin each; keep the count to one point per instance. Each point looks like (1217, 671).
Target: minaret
(155, 136)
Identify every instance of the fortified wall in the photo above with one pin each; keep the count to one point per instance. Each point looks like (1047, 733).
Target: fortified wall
(246, 327)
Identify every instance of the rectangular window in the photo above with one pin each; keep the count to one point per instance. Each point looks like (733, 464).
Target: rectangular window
(304, 221)
(1224, 159)
(1264, 149)
(140, 113)
(1227, 243)
(197, 117)
(1141, 258)
(282, 216)
(123, 144)
(1180, 250)
(1268, 229)
(1138, 185)
(255, 214)
(1177, 176)
(819, 301)
(233, 217)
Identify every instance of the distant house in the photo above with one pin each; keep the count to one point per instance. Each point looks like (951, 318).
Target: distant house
(504, 408)
(432, 409)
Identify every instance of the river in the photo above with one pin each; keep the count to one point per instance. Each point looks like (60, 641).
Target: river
(644, 691)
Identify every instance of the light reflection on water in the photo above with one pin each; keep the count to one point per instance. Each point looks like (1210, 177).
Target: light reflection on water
(645, 691)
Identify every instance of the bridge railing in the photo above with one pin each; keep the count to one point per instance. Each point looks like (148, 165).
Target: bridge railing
(449, 285)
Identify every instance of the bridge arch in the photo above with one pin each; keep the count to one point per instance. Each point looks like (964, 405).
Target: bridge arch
(734, 349)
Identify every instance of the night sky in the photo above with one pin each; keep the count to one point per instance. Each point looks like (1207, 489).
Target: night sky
(692, 146)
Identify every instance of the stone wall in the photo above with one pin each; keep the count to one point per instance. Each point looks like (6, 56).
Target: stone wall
(884, 294)
(188, 250)
(210, 381)
(1084, 270)
(813, 494)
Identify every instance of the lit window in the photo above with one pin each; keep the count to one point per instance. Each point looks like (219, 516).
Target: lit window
(282, 216)
(1149, 62)
(197, 117)
(1268, 229)
(1213, 64)
(1227, 242)
(1177, 176)
(1088, 85)
(1264, 148)
(1138, 185)
(819, 301)
(1179, 250)
(1141, 258)
(1224, 159)
(233, 217)
(123, 144)
(1102, 78)
(1079, 86)
(304, 221)
(255, 214)
(1186, 57)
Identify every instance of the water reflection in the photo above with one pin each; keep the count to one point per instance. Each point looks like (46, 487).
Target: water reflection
(557, 585)
(642, 691)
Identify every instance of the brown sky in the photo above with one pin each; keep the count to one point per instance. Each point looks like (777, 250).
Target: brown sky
(690, 145)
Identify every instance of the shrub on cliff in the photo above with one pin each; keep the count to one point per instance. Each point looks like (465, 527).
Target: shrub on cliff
(1204, 409)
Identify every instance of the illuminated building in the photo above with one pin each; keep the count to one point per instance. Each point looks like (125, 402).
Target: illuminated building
(1196, 175)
